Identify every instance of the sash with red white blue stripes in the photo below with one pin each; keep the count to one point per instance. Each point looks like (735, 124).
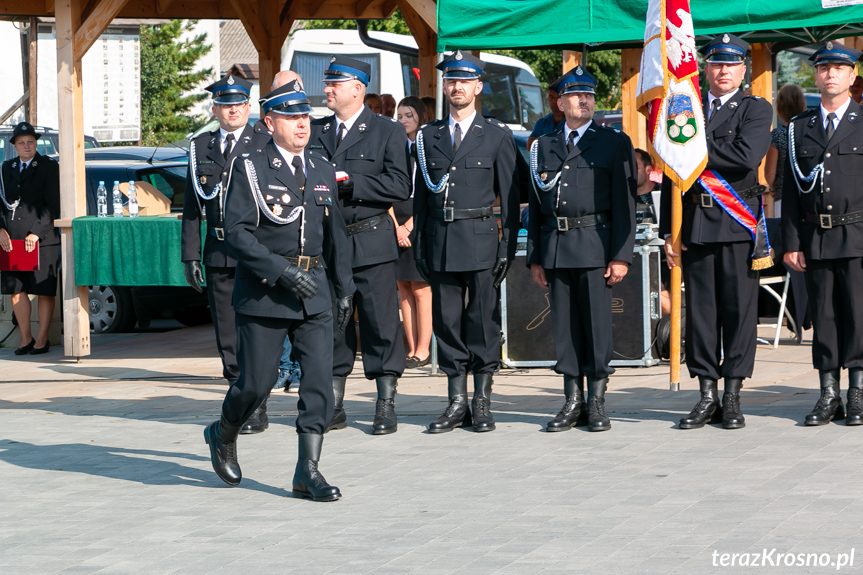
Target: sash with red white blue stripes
(724, 195)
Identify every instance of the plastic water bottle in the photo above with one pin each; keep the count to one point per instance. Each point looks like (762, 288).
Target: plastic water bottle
(133, 199)
(117, 199)
(102, 200)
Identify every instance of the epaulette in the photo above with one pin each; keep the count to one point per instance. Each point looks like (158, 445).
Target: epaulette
(386, 117)
(324, 120)
(806, 114)
(495, 122)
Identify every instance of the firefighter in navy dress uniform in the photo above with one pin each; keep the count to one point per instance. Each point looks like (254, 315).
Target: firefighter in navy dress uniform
(283, 226)
(466, 162)
(822, 222)
(721, 256)
(210, 157)
(368, 151)
(580, 238)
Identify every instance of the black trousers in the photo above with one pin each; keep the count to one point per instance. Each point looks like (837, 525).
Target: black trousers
(381, 331)
(836, 305)
(465, 321)
(261, 340)
(220, 290)
(721, 309)
(581, 321)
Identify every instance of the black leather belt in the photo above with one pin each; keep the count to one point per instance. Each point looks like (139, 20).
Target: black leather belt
(218, 233)
(705, 200)
(364, 225)
(305, 263)
(565, 224)
(453, 214)
(827, 221)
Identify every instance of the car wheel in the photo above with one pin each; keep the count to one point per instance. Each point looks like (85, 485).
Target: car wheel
(110, 309)
(192, 316)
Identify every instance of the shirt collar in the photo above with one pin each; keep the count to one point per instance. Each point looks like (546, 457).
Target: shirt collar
(722, 99)
(465, 124)
(840, 112)
(349, 123)
(224, 134)
(580, 131)
(289, 157)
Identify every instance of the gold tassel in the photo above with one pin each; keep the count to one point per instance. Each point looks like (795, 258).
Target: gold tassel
(763, 263)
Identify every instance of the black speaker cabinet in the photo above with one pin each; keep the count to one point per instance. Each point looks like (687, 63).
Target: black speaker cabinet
(526, 311)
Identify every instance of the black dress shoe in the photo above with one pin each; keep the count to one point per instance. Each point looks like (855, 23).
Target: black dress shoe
(411, 362)
(308, 482)
(707, 410)
(854, 412)
(25, 349)
(258, 422)
(422, 362)
(574, 410)
(40, 350)
(829, 407)
(222, 439)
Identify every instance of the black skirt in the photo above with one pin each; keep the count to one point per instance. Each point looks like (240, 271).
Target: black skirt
(406, 267)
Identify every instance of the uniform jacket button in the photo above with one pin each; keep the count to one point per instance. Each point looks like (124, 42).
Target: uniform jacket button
(827, 155)
(264, 281)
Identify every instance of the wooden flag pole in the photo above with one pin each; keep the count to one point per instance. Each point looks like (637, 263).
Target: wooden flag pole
(674, 347)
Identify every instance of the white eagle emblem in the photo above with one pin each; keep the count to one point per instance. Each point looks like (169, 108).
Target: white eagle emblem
(681, 46)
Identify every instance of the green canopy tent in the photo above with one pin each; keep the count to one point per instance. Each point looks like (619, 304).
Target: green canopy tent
(606, 24)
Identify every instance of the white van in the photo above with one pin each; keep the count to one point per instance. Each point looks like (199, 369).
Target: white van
(511, 93)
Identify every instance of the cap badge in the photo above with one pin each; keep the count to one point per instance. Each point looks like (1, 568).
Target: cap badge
(726, 38)
(829, 45)
(24, 128)
(230, 80)
(296, 86)
(277, 209)
(458, 55)
(543, 176)
(332, 60)
(277, 162)
(579, 71)
(286, 199)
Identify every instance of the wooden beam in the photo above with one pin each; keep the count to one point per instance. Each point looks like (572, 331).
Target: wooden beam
(248, 13)
(33, 38)
(426, 9)
(49, 6)
(320, 10)
(387, 8)
(634, 123)
(762, 81)
(70, 104)
(103, 13)
(162, 5)
(362, 6)
(270, 60)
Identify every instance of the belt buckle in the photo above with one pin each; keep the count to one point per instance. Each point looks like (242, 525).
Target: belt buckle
(303, 262)
(707, 201)
(826, 221)
(220, 233)
(562, 224)
(449, 214)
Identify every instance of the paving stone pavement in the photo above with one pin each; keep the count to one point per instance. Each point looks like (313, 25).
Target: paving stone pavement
(104, 470)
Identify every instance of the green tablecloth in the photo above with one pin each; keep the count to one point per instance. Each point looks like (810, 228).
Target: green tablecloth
(142, 251)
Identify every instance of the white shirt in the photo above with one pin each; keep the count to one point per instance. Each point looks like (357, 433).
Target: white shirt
(349, 123)
(413, 143)
(840, 112)
(579, 132)
(465, 126)
(289, 157)
(24, 165)
(223, 134)
(722, 101)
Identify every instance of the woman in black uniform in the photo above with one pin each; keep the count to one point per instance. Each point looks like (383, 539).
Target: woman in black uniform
(414, 293)
(29, 204)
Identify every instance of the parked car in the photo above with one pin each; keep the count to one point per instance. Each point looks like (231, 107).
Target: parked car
(812, 101)
(212, 124)
(169, 153)
(119, 308)
(48, 143)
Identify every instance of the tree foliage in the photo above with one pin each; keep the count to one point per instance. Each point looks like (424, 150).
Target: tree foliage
(167, 80)
(396, 25)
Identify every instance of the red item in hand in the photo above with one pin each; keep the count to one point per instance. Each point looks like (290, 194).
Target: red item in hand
(19, 259)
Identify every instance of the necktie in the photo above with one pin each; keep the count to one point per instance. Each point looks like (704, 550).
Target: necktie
(297, 163)
(340, 135)
(24, 166)
(716, 104)
(830, 128)
(456, 140)
(570, 142)
(412, 160)
(229, 143)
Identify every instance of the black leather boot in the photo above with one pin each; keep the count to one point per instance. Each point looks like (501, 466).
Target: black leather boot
(258, 421)
(597, 420)
(481, 404)
(308, 481)
(457, 413)
(222, 439)
(574, 410)
(854, 414)
(829, 406)
(732, 417)
(385, 410)
(707, 410)
(340, 418)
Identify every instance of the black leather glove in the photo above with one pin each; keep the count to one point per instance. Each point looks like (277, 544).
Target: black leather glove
(346, 188)
(298, 282)
(499, 271)
(346, 309)
(194, 275)
(423, 269)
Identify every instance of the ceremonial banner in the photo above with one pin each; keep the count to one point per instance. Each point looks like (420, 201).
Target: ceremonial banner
(668, 92)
